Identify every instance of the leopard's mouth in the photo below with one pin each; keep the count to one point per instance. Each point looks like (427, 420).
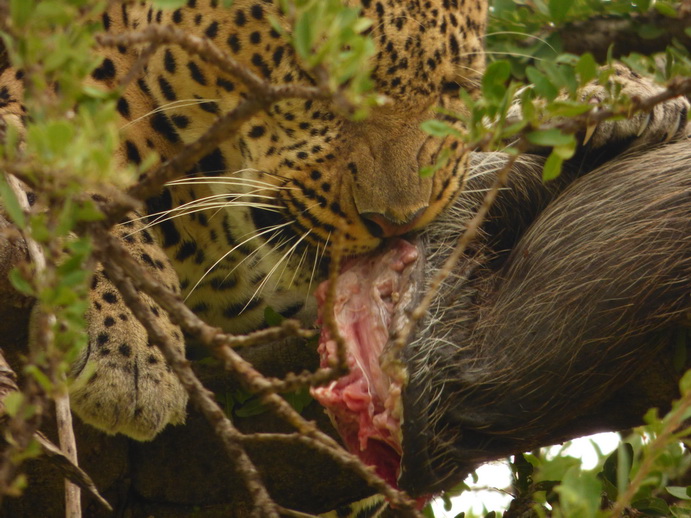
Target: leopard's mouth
(374, 294)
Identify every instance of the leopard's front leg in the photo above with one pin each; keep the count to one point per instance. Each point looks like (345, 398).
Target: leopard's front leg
(122, 382)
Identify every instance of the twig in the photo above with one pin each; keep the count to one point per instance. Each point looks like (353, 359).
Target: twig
(45, 322)
(58, 458)
(339, 365)
(207, 50)
(151, 184)
(677, 87)
(139, 66)
(328, 315)
(654, 450)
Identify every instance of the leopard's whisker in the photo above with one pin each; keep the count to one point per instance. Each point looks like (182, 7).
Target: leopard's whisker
(208, 202)
(317, 262)
(240, 182)
(518, 33)
(298, 267)
(233, 249)
(284, 258)
(180, 103)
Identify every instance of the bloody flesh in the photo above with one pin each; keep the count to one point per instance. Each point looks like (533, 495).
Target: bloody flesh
(365, 404)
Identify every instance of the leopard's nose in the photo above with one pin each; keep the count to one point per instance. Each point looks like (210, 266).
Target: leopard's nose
(389, 225)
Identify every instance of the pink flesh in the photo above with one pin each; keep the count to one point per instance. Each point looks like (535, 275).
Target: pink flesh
(365, 405)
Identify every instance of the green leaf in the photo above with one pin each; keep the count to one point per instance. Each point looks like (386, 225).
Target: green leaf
(556, 468)
(438, 128)
(303, 36)
(495, 78)
(543, 86)
(624, 458)
(169, 4)
(566, 151)
(20, 11)
(652, 507)
(649, 31)
(10, 202)
(40, 377)
(679, 492)
(428, 512)
(550, 138)
(685, 382)
(88, 212)
(12, 402)
(579, 493)
(74, 278)
(559, 8)
(272, 317)
(666, 10)
(617, 467)
(298, 399)
(586, 68)
(250, 408)
(20, 283)
(442, 159)
(568, 108)
(552, 167)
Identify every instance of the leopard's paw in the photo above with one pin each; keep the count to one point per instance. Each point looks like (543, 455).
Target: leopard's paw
(122, 382)
(664, 122)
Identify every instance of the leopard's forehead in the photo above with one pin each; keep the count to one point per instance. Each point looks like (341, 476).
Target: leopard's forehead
(422, 44)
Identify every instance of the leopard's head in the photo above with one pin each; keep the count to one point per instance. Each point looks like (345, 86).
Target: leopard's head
(323, 173)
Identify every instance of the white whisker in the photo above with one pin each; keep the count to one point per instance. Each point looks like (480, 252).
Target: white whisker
(274, 268)
(298, 267)
(216, 201)
(252, 236)
(180, 103)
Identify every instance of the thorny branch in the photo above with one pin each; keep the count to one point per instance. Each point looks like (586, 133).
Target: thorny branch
(466, 238)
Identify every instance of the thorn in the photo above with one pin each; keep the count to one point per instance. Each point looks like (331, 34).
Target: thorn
(644, 125)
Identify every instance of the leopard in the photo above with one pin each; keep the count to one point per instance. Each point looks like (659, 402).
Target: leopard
(252, 225)
(291, 178)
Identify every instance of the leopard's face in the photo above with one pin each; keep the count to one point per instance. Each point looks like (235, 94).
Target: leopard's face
(322, 172)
